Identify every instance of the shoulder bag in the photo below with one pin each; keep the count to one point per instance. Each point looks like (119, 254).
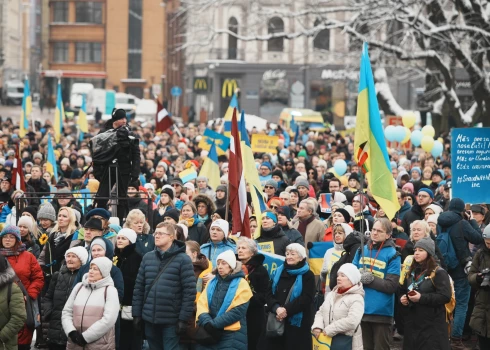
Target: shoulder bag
(275, 328)
(158, 277)
(30, 305)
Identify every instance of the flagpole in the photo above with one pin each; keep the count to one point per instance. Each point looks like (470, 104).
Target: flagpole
(361, 193)
(227, 207)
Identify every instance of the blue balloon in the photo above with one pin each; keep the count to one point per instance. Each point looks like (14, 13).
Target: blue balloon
(399, 133)
(416, 138)
(437, 149)
(390, 133)
(340, 167)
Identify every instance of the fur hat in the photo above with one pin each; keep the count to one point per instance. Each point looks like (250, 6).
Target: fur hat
(104, 265)
(229, 257)
(81, 252)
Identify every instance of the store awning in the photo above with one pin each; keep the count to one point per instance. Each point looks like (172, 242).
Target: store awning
(73, 74)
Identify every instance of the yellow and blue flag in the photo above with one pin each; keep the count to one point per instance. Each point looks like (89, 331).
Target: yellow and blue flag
(209, 137)
(316, 254)
(229, 115)
(370, 150)
(26, 109)
(82, 118)
(51, 166)
(59, 115)
(210, 168)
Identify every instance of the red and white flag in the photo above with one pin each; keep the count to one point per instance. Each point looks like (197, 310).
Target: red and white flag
(163, 119)
(238, 188)
(18, 180)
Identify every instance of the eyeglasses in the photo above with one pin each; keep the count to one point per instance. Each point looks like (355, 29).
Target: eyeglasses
(264, 169)
(269, 188)
(423, 196)
(175, 185)
(274, 207)
(161, 234)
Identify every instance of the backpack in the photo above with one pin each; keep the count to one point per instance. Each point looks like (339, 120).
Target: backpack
(452, 303)
(445, 245)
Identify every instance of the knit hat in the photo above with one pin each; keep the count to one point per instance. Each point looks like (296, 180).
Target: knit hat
(322, 163)
(285, 211)
(25, 221)
(456, 205)
(267, 164)
(345, 214)
(302, 153)
(173, 214)
(177, 180)
(114, 227)
(222, 224)
(437, 173)
(185, 229)
(486, 232)
(118, 114)
(100, 242)
(129, 234)
(351, 272)
(350, 210)
(65, 161)
(432, 218)
(430, 193)
(271, 183)
(303, 183)
(169, 192)
(435, 208)
(46, 211)
(37, 155)
(149, 186)
(417, 169)
(408, 187)
(339, 197)
(354, 176)
(94, 223)
(361, 199)
(11, 230)
(427, 244)
(278, 173)
(3, 264)
(31, 210)
(229, 257)
(81, 252)
(202, 178)
(298, 248)
(347, 229)
(104, 265)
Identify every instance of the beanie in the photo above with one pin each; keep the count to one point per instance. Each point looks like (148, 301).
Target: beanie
(354, 176)
(129, 234)
(65, 161)
(435, 208)
(298, 248)
(11, 230)
(427, 244)
(351, 272)
(46, 211)
(267, 164)
(347, 229)
(81, 252)
(271, 183)
(432, 218)
(350, 210)
(278, 173)
(430, 193)
(303, 183)
(202, 178)
(285, 211)
(345, 214)
(169, 192)
(456, 205)
(31, 210)
(302, 153)
(100, 242)
(408, 187)
(486, 232)
(221, 188)
(104, 265)
(173, 214)
(229, 257)
(26, 221)
(417, 169)
(223, 225)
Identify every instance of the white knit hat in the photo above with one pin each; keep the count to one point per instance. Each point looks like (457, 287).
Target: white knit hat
(184, 229)
(352, 272)
(229, 257)
(433, 218)
(223, 225)
(26, 221)
(149, 186)
(81, 252)
(65, 161)
(298, 248)
(347, 229)
(104, 265)
(350, 210)
(129, 234)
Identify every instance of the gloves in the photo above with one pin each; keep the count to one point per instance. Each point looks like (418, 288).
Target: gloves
(77, 338)
(213, 332)
(467, 267)
(181, 328)
(367, 277)
(138, 325)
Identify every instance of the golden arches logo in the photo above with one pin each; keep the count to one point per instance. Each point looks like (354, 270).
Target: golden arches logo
(230, 86)
(201, 85)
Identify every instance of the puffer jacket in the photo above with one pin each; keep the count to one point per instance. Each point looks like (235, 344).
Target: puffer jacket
(145, 243)
(58, 293)
(212, 250)
(230, 340)
(198, 233)
(342, 314)
(273, 241)
(92, 309)
(293, 234)
(171, 298)
(13, 315)
(480, 318)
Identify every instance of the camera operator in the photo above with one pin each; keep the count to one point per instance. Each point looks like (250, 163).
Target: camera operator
(479, 278)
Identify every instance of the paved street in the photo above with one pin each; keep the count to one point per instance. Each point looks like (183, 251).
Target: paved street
(14, 113)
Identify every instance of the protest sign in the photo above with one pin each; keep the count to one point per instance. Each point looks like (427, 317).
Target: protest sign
(264, 143)
(272, 261)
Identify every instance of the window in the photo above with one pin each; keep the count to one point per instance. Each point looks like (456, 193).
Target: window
(276, 25)
(322, 38)
(232, 40)
(88, 52)
(89, 12)
(60, 52)
(135, 40)
(60, 12)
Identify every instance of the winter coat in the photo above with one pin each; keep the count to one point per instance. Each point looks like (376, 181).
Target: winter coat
(415, 213)
(171, 298)
(143, 204)
(314, 231)
(212, 250)
(32, 247)
(198, 233)
(342, 314)
(128, 261)
(273, 240)
(425, 322)
(461, 232)
(13, 314)
(258, 278)
(409, 249)
(145, 243)
(480, 318)
(230, 340)
(157, 218)
(403, 210)
(293, 234)
(331, 256)
(30, 274)
(294, 338)
(40, 186)
(52, 257)
(92, 309)
(54, 301)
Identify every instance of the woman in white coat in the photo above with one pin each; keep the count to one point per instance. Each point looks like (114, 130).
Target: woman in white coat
(92, 309)
(342, 310)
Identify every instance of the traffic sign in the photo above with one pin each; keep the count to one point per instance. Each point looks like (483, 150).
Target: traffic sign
(176, 91)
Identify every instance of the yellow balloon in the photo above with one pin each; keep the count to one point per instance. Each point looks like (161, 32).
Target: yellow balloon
(440, 139)
(408, 120)
(428, 130)
(332, 170)
(427, 143)
(408, 133)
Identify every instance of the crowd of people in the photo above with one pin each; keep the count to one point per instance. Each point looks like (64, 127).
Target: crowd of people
(166, 272)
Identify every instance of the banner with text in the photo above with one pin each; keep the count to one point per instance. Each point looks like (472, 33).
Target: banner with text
(470, 159)
(264, 143)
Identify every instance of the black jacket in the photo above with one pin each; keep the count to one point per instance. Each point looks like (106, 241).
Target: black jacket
(416, 213)
(40, 186)
(277, 237)
(141, 204)
(409, 249)
(293, 235)
(198, 233)
(128, 261)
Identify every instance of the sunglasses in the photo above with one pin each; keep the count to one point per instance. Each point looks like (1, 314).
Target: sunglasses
(269, 188)
(274, 207)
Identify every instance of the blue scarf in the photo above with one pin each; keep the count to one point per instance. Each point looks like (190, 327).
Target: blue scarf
(202, 219)
(296, 319)
(230, 294)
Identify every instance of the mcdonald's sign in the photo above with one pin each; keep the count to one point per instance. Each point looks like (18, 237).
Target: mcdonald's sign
(230, 86)
(201, 85)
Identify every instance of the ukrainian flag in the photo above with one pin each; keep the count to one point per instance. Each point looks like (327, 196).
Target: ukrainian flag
(209, 137)
(369, 143)
(210, 168)
(51, 166)
(82, 118)
(59, 115)
(316, 255)
(229, 115)
(26, 109)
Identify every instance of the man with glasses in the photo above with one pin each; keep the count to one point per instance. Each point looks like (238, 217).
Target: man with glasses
(290, 172)
(270, 188)
(177, 186)
(424, 198)
(265, 172)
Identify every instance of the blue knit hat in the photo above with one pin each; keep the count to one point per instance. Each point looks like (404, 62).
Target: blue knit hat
(11, 230)
(428, 191)
(417, 169)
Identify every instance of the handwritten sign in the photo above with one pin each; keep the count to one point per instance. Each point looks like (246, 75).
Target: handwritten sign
(470, 155)
(264, 143)
(272, 261)
(266, 247)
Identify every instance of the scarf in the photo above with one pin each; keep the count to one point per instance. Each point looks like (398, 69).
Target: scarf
(10, 252)
(190, 222)
(303, 224)
(58, 237)
(203, 219)
(296, 319)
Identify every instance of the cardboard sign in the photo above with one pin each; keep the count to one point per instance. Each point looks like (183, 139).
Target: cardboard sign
(470, 164)
(264, 143)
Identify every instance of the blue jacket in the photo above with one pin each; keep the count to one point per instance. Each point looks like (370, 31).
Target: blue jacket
(403, 210)
(5, 212)
(386, 268)
(212, 250)
(144, 243)
(171, 298)
(236, 340)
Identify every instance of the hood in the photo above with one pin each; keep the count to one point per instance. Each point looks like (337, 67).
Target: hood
(448, 219)
(351, 240)
(177, 247)
(7, 277)
(399, 178)
(204, 198)
(405, 206)
(356, 289)
(236, 273)
(106, 281)
(109, 253)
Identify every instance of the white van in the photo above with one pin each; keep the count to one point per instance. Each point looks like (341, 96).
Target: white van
(77, 92)
(13, 92)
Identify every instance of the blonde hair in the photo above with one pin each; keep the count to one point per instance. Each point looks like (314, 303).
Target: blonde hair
(72, 226)
(133, 215)
(425, 227)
